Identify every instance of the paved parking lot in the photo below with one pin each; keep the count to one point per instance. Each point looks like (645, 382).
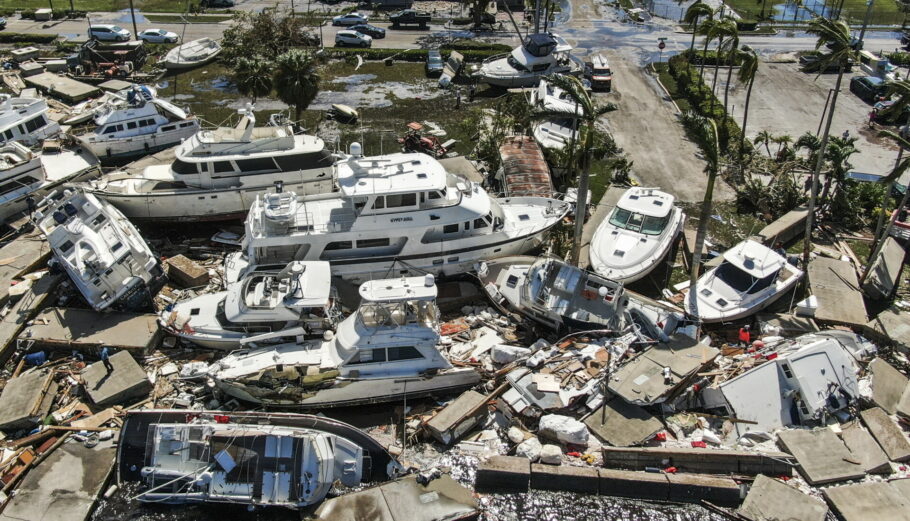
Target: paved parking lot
(786, 100)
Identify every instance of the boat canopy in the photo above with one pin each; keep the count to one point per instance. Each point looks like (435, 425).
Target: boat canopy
(647, 201)
(755, 259)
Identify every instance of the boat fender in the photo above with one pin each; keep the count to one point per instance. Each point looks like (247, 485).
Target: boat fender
(328, 335)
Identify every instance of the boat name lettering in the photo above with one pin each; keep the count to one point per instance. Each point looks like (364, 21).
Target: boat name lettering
(401, 219)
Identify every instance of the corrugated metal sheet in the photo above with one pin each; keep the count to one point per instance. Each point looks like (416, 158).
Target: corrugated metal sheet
(525, 171)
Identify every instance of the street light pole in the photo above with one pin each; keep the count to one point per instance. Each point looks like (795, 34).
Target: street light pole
(133, 15)
(862, 32)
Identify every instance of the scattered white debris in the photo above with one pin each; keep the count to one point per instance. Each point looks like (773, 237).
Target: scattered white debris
(530, 448)
(564, 429)
(551, 454)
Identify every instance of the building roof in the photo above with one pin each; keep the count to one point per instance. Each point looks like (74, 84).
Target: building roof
(525, 171)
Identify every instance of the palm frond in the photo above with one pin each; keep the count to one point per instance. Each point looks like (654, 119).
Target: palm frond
(901, 167)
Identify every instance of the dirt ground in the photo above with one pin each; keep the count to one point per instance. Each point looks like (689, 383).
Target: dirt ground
(647, 128)
(786, 100)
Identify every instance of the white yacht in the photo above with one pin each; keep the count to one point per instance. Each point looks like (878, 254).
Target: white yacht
(100, 250)
(24, 173)
(550, 98)
(540, 55)
(555, 133)
(24, 119)
(218, 174)
(386, 350)
(254, 459)
(192, 54)
(394, 214)
(638, 234)
(129, 127)
(750, 278)
(298, 296)
(567, 298)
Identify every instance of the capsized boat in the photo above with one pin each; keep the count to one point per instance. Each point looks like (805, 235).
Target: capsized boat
(218, 174)
(101, 251)
(750, 278)
(247, 458)
(192, 54)
(567, 298)
(401, 211)
(637, 236)
(298, 296)
(135, 125)
(540, 55)
(387, 349)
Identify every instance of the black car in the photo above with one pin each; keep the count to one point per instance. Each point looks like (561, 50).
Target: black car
(369, 30)
(811, 63)
(868, 88)
(434, 63)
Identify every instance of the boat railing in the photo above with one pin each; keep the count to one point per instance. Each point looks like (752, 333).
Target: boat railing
(495, 57)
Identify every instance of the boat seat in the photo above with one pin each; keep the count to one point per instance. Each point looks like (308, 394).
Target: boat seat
(70, 209)
(59, 217)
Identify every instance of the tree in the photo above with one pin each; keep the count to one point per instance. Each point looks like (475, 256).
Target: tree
(837, 156)
(696, 11)
(834, 35)
(707, 133)
(253, 77)
(901, 89)
(726, 28)
(478, 8)
(706, 29)
(731, 47)
(267, 34)
(296, 79)
(899, 168)
(747, 70)
(783, 141)
(589, 114)
(763, 137)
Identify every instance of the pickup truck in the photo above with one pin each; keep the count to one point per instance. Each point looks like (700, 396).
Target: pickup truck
(409, 17)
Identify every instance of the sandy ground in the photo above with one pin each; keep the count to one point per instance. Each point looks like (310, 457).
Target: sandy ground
(788, 101)
(647, 128)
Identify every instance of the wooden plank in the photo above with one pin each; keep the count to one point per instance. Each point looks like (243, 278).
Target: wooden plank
(789, 226)
(21, 256)
(23, 311)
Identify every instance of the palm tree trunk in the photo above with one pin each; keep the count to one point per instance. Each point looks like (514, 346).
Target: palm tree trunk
(881, 242)
(581, 204)
(720, 43)
(727, 87)
(742, 137)
(694, 30)
(700, 240)
(704, 56)
(807, 243)
(768, 149)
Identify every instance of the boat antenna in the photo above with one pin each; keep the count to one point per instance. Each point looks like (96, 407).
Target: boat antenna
(514, 24)
(546, 20)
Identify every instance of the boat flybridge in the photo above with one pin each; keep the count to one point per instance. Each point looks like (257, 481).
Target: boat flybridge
(298, 296)
(567, 298)
(135, 125)
(218, 174)
(750, 278)
(397, 212)
(24, 119)
(101, 251)
(247, 458)
(540, 55)
(637, 236)
(386, 349)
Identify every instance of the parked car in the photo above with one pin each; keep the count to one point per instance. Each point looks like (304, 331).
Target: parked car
(369, 30)
(900, 119)
(868, 88)
(410, 17)
(434, 65)
(810, 63)
(217, 3)
(158, 36)
(109, 33)
(350, 19)
(352, 39)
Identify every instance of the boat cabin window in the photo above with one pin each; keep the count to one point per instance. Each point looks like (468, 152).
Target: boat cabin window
(223, 166)
(169, 185)
(35, 123)
(435, 194)
(261, 164)
(359, 203)
(450, 228)
(110, 129)
(515, 64)
(66, 246)
(540, 67)
(372, 243)
(340, 245)
(17, 184)
(184, 168)
(367, 356)
(481, 222)
(187, 124)
(130, 125)
(400, 200)
(742, 281)
(146, 122)
(168, 128)
(394, 314)
(306, 161)
(403, 353)
(636, 222)
(7, 135)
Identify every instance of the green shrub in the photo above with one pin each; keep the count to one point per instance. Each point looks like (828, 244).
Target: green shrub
(26, 38)
(469, 45)
(412, 55)
(746, 25)
(901, 59)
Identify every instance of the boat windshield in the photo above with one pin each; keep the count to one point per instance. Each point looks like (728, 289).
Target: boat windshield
(515, 64)
(636, 222)
(742, 281)
(393, 314)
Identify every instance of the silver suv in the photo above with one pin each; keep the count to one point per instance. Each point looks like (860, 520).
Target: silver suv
(109, 33)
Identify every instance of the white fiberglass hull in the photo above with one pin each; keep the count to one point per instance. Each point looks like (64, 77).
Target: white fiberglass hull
(604, 242)
(708, 313)
(135, 146)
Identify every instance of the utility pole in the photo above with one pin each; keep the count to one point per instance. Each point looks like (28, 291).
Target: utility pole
(133, 16)
(536, 16)
(862, 32)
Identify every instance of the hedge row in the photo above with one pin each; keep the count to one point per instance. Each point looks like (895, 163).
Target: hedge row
(56, 14)
(901, 59)
(412, 55)
(26, 38)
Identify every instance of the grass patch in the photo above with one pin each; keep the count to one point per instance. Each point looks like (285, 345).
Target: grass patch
(663, 75)
(177, 19)
(161, 6)
(885, 12)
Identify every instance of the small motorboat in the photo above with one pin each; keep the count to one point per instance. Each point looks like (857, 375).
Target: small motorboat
(567, 298)
(298, 296)
(101, 251)
(343, 113)
(246, 458)
(192, 54)
(750, 278)
(637, 235)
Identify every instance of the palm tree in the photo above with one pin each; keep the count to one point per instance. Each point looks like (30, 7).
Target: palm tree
(253, 77)
(899, 168)
(838, 156)
(725, 29)
(707, 127)
(696, 11)
(590, 112)
(706, 29)
(764, 137)
(901, 89)
(747, 70)
(732, 50)
(835, 35)
(296, 79)
(782, 143)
